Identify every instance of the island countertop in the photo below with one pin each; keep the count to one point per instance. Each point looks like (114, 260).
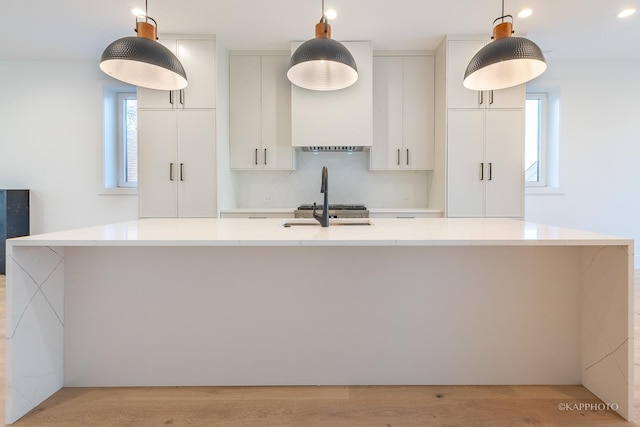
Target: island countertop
(228, 302)
(270, 232)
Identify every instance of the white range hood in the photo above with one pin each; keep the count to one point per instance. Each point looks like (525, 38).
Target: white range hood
(339, 120)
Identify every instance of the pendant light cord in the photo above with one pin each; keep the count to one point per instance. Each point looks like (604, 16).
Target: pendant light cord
(501, 18)
(324, 18)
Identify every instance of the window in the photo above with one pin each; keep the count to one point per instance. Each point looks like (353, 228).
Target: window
(120, 140)
(542, 140)
(535, 141)
(127, 140)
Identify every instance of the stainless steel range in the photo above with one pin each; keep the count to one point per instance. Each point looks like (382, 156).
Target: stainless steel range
(335, 211)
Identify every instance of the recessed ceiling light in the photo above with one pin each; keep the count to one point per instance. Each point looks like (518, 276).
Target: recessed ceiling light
(331, 14)
(137, 12)
(626, 13)
(524, 13)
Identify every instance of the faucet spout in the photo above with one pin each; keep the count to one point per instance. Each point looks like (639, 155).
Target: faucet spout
(324, 218)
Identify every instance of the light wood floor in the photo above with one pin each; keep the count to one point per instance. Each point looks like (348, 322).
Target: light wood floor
(321, 406)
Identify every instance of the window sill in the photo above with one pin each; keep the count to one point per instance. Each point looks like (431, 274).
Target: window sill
(544, 191)
(119, 192)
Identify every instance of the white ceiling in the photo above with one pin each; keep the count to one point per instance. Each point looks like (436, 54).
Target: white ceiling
(81, 29)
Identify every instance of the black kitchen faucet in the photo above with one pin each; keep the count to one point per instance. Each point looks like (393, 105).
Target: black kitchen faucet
(324, 218)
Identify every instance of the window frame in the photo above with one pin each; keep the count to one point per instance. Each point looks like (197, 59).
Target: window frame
(111, 136)
(543, 139)
(122, 172)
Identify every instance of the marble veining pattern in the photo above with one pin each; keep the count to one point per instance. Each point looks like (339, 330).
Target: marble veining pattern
(35, 327)
(607, 329)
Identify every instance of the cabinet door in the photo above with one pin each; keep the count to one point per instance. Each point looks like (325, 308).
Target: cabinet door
(418, 113)
(465, 163)
(460, 53)
(504, 158)
(159, 99)
(276, 152)
(512, 97)
(198, 59)
(196, 163)
(157, 159)
(387, 113)
(245, 104)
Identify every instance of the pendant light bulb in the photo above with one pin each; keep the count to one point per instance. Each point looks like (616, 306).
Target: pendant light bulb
(505, 62)
(142, 61)
(322, 63)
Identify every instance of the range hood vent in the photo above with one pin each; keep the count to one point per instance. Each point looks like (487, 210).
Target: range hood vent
(333, 148)
(338, 117)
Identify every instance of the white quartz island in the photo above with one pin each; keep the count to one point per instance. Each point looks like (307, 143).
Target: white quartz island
(166, 302)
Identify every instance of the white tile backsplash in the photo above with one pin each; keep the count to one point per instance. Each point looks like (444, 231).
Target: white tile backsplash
(350, 181)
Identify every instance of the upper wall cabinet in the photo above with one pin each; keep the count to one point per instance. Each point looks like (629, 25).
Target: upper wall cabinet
(459, 54)
(340, 117)
(198, 59)
(403, 113)
(260, 112)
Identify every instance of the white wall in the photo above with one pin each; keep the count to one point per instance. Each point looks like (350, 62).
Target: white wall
(599, 149)
(51, 143)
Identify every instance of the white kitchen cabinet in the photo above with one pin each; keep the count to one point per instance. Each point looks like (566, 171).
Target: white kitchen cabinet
(459, 53)
(260, 112)
(198, 59)
(485, 163)
(403, 113)
(339, 117)
(176, 163)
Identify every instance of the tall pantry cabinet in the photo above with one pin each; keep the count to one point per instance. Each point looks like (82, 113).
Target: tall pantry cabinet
(480, 139)
(176, 137)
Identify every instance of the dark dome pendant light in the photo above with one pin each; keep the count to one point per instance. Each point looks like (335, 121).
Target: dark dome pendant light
(322, 63)
(142, 61)
(505, 62)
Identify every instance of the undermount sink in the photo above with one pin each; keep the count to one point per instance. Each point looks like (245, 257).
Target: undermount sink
(332, 222)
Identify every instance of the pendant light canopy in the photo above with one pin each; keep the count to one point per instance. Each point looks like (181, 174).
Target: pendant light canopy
(322, 63)
(142, 61)
(506, 61)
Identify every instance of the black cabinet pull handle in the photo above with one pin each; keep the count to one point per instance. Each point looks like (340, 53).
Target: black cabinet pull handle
(481, 171)
(171, 97)
(181, 171)
(256, 156)
(170, 171)
(265, 156)
(407, 157)
(490, 171)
